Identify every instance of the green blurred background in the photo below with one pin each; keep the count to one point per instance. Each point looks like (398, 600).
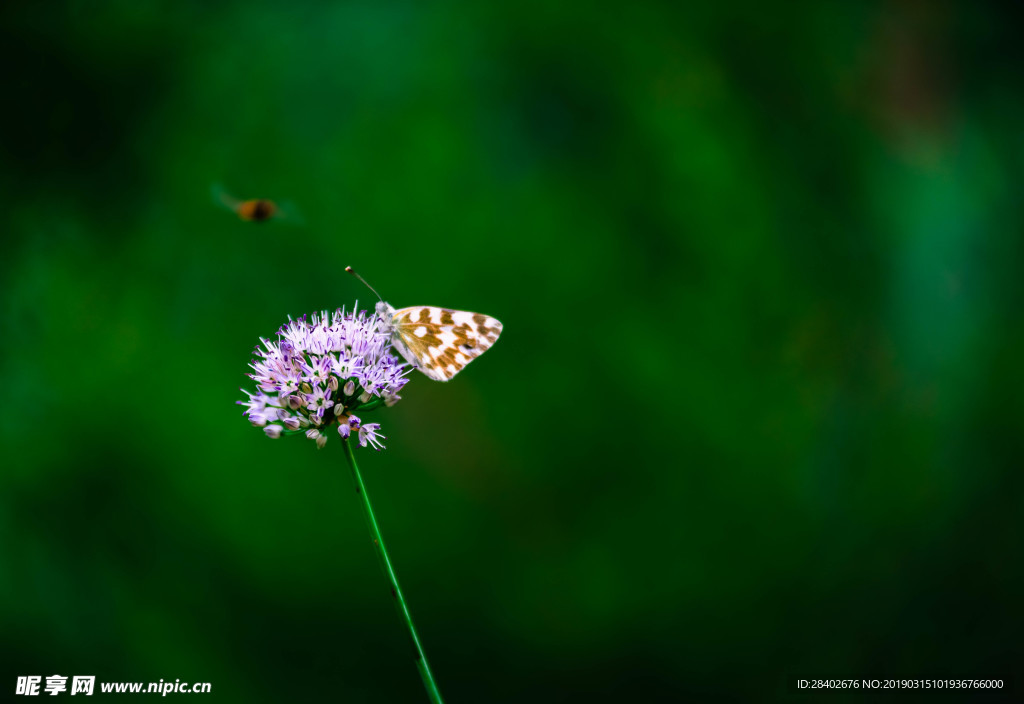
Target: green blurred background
(755, 414)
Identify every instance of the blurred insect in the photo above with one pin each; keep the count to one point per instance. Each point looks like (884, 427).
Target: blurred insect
(256, 209)
(439, 342)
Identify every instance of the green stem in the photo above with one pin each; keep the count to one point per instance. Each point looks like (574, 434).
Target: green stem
(389, 572)
(369, 405)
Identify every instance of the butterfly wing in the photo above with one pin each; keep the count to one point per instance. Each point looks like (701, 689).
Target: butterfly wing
(439, 341)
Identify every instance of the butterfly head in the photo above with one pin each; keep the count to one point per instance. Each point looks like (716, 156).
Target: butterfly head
(387, 314)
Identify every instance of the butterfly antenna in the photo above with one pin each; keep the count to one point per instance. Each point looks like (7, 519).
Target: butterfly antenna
(353, 272)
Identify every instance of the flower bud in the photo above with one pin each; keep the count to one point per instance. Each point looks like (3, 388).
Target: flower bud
(273, 431)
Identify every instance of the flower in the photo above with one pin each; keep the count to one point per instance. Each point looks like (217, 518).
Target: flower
(368, 434)
(365, 432)
(319, 371)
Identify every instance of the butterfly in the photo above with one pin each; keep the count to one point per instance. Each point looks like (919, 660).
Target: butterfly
(439, 342)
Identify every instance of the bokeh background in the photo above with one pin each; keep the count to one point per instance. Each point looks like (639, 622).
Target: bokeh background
(756, 413)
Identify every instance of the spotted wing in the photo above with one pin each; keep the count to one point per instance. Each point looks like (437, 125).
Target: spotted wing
(439, 341)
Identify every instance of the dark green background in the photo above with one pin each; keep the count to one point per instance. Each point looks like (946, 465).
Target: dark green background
(756, 412)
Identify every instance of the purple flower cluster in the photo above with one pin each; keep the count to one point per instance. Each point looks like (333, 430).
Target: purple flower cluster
(319, 371)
